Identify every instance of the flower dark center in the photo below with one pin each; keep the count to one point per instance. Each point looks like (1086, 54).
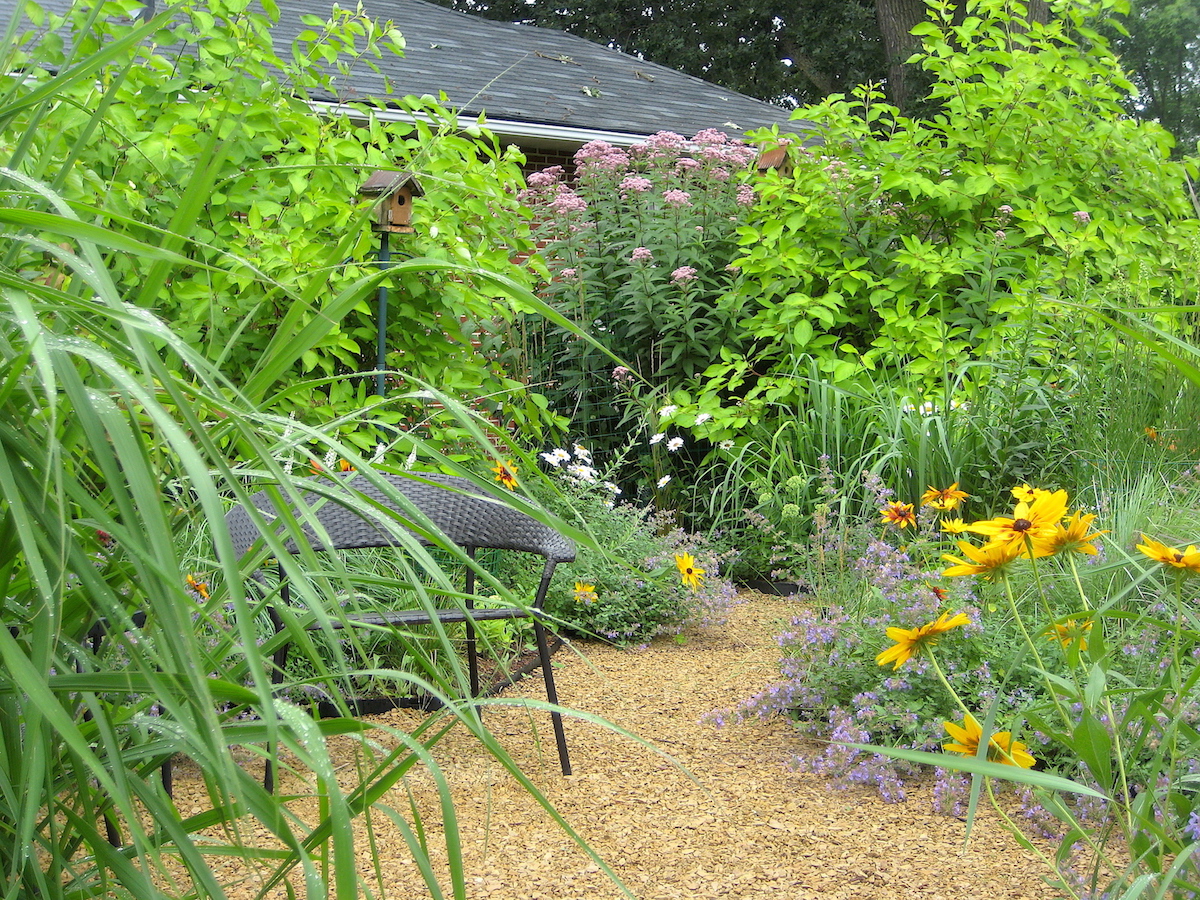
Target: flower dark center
(1022, 525)
(1178, 556)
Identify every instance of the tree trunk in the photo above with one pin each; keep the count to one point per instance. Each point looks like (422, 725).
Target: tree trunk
(896, 19)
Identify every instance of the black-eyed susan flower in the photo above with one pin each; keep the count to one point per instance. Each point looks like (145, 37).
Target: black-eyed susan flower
(1070, 632)
(911, 641)
(944, 499)
(988, 561)
(198, 586)
(899, 514)
(1023, 493)
(689, 573)
(585, 593)
(506, 474)
(1001, 746)
(1072, 536)
(1036, 520)
(953, 526)
(1187, 559)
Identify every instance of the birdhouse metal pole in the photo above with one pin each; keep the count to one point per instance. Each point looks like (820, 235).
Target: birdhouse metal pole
(385, 259)
(392, 194)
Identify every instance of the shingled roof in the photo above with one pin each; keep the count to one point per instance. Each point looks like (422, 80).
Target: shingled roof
(534, 85)
(538, 81)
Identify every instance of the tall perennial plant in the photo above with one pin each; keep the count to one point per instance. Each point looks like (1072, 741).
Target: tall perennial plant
(639, 244)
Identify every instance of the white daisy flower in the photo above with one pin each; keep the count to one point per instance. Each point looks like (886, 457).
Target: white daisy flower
(656, 438)
(668, 411)
(662, 482)
(674, 444)
(582, 473)
(702, 418)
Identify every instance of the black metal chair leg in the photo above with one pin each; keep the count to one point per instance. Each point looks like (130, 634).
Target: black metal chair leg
(552, 695)
(472, 648)
(279, 662)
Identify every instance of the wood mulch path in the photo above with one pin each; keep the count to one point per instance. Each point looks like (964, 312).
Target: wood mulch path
(726, 818)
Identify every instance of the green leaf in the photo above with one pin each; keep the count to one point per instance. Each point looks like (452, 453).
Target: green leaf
(983, 767)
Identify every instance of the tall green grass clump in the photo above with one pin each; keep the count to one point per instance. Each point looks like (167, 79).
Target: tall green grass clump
(120, 429)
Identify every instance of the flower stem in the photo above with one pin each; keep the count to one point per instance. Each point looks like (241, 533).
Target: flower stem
(1078, 584)
(1012, 605)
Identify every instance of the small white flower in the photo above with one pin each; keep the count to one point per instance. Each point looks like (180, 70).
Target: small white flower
(287, 466)
(412, 459)
(380, 450)
(668, 411)
(583, 453)
(726, 444)
(612, 488)
(656, 438)
(582, 473)
(551, 458)
(702, 418)
(330, 459)
(662, 482)
(674, 444)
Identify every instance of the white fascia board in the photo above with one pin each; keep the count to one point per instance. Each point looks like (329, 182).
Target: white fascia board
(545, 135)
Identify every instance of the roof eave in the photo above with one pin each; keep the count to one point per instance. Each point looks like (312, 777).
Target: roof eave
(544, 134)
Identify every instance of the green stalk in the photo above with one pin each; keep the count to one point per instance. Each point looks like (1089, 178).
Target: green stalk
(1012, 605)
(944, 680)
(1078, 584)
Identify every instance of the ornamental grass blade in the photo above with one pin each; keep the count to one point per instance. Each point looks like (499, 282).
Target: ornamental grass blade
(984, 768)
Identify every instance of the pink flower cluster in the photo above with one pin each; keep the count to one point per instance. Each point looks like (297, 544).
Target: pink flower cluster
(683, 275)
(599, 158)
(677, 198)
(635, 184)
(641, 254)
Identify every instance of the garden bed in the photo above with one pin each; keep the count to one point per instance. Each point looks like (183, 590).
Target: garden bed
(726, 818)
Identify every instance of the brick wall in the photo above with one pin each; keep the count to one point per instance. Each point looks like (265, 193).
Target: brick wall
(538, 158)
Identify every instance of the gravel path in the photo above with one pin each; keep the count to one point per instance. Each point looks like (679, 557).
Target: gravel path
(725, 819)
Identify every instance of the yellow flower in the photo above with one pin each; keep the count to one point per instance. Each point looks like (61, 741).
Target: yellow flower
(689, 573)
(899, 514)
(1071, 536)
(988, 560)
(1070, 632)
(1181, 559)
(1026, 494)
(198, 586)
(946, 499)
(1001, 747)
(1036, 520)
(585, 593)
(506, 474)
(344, 465)
(953, 526)
(910, 641)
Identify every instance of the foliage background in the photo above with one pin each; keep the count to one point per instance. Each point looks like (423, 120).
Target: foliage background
(204, 130)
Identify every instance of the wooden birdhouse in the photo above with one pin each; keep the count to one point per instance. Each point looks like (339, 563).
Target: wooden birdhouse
(775, 158)
(393, 194)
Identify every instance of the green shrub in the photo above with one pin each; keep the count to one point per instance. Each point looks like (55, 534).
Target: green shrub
(918, 244)
(219, 152)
